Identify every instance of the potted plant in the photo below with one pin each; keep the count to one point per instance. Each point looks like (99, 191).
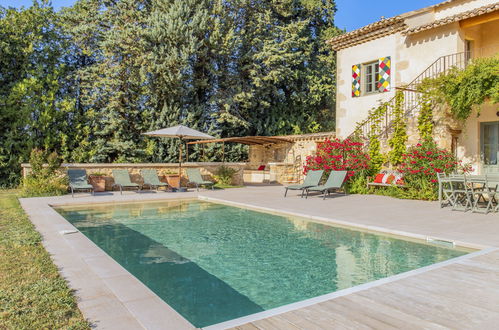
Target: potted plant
(98, 181)
(172, 178)
(224, 175)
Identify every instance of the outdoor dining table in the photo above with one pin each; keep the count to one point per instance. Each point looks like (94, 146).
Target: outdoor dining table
(468, 190)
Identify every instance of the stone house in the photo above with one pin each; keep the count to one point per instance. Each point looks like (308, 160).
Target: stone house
(397, 53)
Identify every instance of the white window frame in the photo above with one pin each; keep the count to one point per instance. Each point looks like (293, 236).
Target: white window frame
(369, 78)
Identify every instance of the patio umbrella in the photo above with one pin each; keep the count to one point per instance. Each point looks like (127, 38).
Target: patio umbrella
(183, 133)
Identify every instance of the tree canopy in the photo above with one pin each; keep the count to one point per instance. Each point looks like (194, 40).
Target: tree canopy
(88, 80)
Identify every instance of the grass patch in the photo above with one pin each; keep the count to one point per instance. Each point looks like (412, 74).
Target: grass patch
(32, 293)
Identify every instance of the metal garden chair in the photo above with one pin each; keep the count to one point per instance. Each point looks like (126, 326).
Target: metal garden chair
(461, 193)
(445, 194)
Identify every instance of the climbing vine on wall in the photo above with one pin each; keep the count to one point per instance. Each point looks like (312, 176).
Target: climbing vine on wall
(399, 136)
(464, 90)
(375, 155)
(425, 119)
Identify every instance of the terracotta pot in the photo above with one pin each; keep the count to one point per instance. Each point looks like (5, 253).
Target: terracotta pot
(173, 180)
(98, 182)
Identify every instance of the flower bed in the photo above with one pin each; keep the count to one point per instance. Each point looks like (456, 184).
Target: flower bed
(421, 164)
(339, 155)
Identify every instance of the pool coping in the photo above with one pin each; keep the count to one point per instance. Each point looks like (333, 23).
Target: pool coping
(89, 269)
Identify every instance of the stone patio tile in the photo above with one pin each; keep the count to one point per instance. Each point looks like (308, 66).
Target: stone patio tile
(154, 313)
(85, 247)
(105, 312)
(128, 288)
(105, 267)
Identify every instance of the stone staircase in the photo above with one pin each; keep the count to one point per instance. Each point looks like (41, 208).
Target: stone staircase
(380, 121)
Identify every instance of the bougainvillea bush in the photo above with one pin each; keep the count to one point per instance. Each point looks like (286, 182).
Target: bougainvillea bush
(338, 155)
(420, 166)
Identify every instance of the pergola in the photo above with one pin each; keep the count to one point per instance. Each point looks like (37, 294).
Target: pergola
(249, 140)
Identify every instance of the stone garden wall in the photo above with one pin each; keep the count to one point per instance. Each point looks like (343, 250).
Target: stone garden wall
(163, 169)
(284, 164)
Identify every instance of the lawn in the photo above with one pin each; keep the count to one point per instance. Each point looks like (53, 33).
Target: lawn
(32, 293)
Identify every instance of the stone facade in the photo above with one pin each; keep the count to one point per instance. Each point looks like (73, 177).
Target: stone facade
(458, 27)
(285, 161)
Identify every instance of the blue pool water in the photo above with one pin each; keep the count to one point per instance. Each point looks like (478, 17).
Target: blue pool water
(213, 262)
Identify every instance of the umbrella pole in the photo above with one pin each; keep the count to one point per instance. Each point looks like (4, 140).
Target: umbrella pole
(180, 164)
(223, 152)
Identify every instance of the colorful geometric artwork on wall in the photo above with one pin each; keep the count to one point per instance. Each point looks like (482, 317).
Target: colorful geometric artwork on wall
(356, 80)
(384, 74)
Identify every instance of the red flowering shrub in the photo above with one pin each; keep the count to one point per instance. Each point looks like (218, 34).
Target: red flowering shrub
(421, 164)
(338, 155)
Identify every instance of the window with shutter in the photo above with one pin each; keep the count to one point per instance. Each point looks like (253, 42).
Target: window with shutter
(371, 77)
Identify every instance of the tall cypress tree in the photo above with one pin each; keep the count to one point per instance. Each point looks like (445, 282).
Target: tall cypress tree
(178, 83)
(119, 83)
(83, 27)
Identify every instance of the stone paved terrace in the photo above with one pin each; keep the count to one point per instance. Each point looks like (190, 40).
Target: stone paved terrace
(459, 293)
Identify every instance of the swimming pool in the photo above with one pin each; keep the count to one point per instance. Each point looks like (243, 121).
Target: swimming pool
(212, 262)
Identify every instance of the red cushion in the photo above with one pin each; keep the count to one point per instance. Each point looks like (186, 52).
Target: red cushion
(390, 179)
(379, 178)
(261, 168)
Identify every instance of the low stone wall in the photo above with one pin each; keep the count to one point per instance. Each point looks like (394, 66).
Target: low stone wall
(163, 169)
(285, 173)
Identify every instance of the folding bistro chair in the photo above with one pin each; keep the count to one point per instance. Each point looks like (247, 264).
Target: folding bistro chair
(461, 193)
(444, 190)
(481, 191)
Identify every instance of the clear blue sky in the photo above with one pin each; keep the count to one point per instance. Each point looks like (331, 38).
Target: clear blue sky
(351, 15)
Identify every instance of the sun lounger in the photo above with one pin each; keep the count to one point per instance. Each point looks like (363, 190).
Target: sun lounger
(334, 182)
(312, 179)
(194, 176)
(78, 181)
(151, 179)
(122, 180)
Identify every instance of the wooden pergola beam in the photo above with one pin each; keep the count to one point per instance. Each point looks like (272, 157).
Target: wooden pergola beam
(250, 140)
